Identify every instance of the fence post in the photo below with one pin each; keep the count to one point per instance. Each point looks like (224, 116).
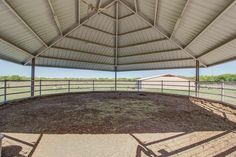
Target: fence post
(40, 87)
(68, 86)
(162, 85)
(138, 85)
(93, 85)
(222, 91)
(5, 91)
(189, 85)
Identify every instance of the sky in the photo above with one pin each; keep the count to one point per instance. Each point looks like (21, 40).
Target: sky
(8, 68)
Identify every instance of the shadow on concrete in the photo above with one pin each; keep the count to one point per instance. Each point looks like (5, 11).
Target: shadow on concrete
(14, 150)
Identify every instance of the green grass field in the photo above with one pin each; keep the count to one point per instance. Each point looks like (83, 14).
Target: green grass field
(53, 87)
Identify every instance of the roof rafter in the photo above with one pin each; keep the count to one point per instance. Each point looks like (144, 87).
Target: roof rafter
(99, 30)
(137, 30)
(186, 67)
(86, 19)
(158, 61)
(224, 61)
(15, 47)
(149, 53)
(98, 5)
(126, 16)
(79, 51)
(156, 11)
(136, 6)
(54, 16)
(9, 59)
(143, 43)
(23, 22)
(179, 19)
(217, 47)
(107, 15)
(158, 30)
(77, 11)
(88, 41)
(212, 22)
(74, 60)
(116, 37)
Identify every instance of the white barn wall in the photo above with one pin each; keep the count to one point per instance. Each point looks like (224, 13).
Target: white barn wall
(169, 82)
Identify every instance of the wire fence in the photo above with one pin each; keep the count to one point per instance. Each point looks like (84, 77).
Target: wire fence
(220, 91)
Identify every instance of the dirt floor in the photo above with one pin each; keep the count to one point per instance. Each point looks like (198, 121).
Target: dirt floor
(133, 114)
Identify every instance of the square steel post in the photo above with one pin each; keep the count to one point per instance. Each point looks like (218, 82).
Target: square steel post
(197, 79)
(93, 86)
(32, 76)
(115, 79)
(68, 86)
(5, 91)
(222, 91)
(40, 87)
(189, 88)
(162, 85)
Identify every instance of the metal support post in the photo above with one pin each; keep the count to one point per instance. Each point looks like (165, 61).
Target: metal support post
(32, 76)
(93, 85)
(68, 86)
(222, 91)
(197, 79)
(40, 87)
(162, 85)
(5, 90)
(189, 88)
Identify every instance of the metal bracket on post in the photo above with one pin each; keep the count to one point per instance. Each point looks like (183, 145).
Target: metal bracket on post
(5, 91)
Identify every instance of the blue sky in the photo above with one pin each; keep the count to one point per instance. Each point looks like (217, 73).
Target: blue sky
(8, 68)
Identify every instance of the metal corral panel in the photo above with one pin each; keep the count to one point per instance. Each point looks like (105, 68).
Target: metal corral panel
(145, 48)
(158, 65)
(158, 56)
(50, 62)
(102, 22)
(65, 10)
(140, 36)
(80, 56)
(148, 34)
(198, 15)
(13, 30)
(12, 54)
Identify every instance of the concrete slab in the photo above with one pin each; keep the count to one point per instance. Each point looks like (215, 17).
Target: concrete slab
(114, 145)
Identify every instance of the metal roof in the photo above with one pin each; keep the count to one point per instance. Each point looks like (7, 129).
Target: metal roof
(122, 35)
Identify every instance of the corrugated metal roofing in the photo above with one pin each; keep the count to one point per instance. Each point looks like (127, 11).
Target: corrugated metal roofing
(151, 34)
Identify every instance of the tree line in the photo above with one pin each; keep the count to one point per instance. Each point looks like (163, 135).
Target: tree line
(224, 77)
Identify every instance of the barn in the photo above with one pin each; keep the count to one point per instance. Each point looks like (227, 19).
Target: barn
(167, 81)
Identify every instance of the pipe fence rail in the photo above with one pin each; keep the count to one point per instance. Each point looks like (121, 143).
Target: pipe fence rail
(220, 91)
